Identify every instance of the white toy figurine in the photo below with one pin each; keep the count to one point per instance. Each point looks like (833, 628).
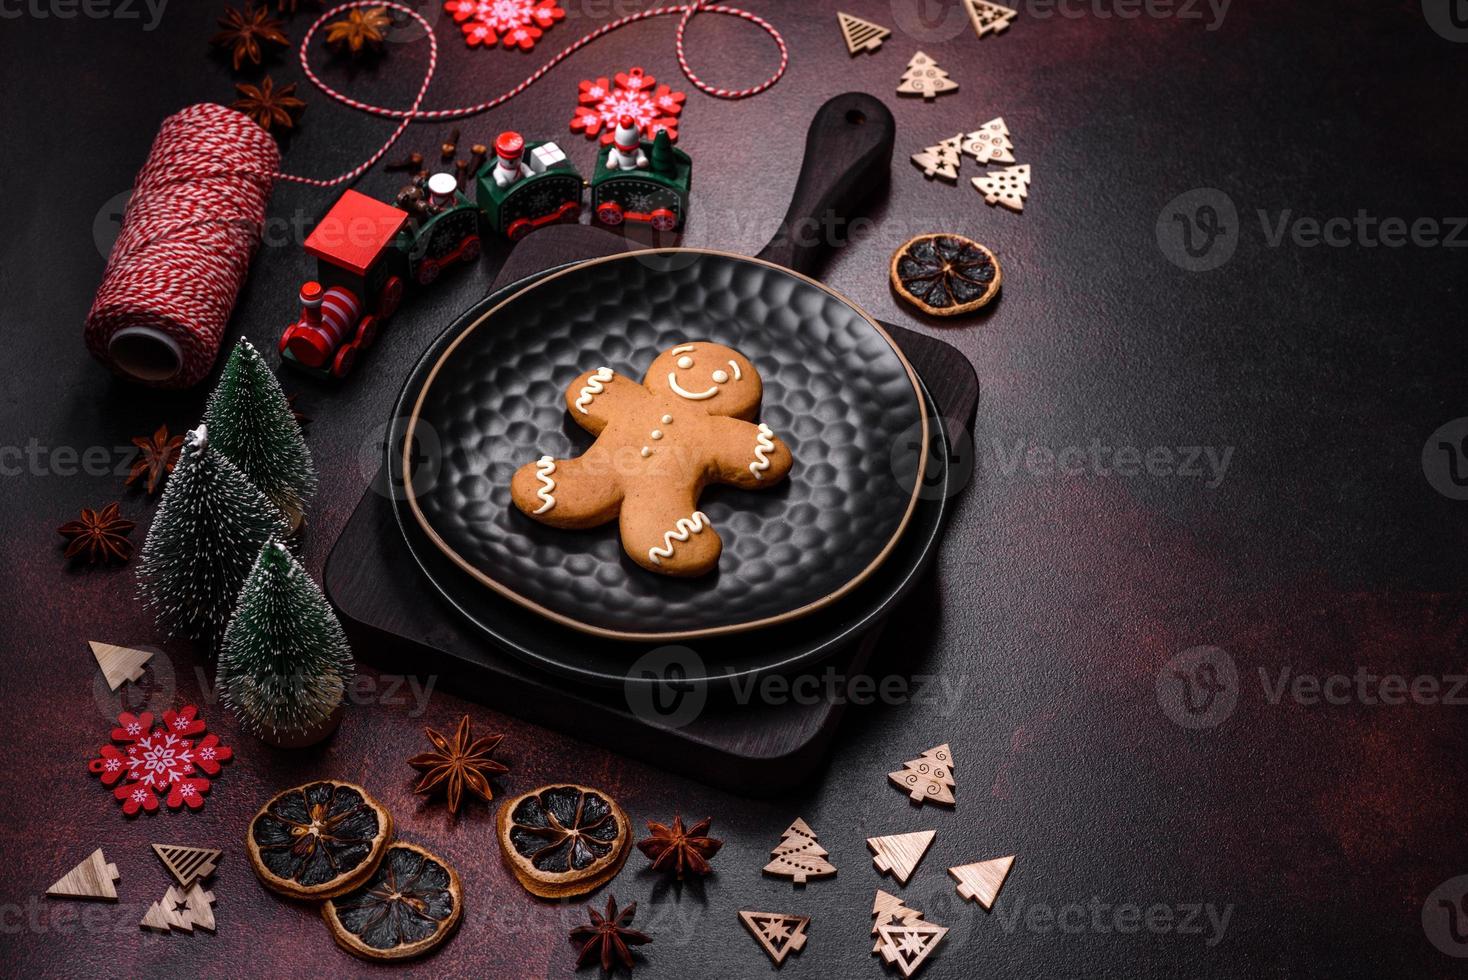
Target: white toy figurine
(509, 148)
(626, 150)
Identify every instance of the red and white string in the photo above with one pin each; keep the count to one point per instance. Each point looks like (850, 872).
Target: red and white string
(415, 111)
(198, 206)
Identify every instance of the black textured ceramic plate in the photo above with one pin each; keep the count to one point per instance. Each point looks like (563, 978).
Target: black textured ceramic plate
(711, 660)
(835, 388)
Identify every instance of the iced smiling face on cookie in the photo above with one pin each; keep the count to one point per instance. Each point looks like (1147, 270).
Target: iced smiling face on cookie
(716, 379)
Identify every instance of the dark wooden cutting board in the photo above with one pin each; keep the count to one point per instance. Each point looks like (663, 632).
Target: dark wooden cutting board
(398, 621)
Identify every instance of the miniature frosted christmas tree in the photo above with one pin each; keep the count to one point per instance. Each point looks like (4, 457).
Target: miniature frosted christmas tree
(285, 664)
(798, 856)
(941, 159)
(990, 142)
(924, 77)
(251, 422)
(928, 778)
(661, 159)
(209, 528)
(1008, 187)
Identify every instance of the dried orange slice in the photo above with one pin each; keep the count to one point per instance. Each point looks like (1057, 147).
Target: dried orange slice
(318, 840)
(945, 275)
(410, 904)
(563, 840)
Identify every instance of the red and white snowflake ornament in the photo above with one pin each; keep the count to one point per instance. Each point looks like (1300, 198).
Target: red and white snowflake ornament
(513, 23)
(634, 94)
(154, 760)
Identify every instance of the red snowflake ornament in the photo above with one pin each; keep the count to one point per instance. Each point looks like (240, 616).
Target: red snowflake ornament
(155, 760)
(513, 23)
(633, 94)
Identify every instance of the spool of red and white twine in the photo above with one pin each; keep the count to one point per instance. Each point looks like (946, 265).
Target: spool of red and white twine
(197, 208)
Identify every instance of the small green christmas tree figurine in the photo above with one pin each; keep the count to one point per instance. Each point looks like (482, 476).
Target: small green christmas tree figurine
(210, 525)
(285, 664)
(661, 158)
(251, 422)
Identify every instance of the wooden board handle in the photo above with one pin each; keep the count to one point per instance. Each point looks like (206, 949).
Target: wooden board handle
(848, 156)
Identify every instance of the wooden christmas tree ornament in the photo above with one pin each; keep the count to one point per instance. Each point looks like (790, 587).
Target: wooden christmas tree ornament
(888, 908)
(778, 934)
(1008, 187)
(860, 35)
(899, 854)
(924, 77)
(171, 912)
(92, 878)
(940, 159)
(906, 945)
(187, 864)
(982, 880)
(200, 906)
(119, 664)
(989, 18)
(929, 777)
(990, 143)
(799, 856)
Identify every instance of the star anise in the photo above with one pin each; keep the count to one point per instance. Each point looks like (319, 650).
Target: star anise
(101, 535)
(608, 937)
(244, 32)
(268, 105)
(157, 455)
(360, 30)
(465, 761)
(674, 848)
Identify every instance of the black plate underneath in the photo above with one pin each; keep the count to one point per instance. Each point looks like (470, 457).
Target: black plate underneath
(835, 389)
(568, 653)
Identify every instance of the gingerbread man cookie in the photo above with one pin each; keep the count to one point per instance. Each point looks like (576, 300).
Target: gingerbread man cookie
(689, 423)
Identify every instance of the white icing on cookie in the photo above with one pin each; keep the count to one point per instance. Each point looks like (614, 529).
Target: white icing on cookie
(646, 452)
(762, 446)
(682, 531)
(595, 385)
(738, 374)
(720, 376)
(657, 433)
(685, 362)
(682, 392)
(667, 419)
(544, 467)
(680, 350)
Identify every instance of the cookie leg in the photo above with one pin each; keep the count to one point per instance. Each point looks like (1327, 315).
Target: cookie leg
(667, 533)
(569, 493)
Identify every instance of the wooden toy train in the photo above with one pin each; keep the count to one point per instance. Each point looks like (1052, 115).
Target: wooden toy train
(368, 253)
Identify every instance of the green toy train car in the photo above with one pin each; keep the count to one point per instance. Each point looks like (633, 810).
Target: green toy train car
(641, 180)
(516, 195)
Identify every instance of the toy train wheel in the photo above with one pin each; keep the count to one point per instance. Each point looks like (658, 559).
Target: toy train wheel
(609, 213)
(428, 271)
(341, 365)
(366, 332)
(469, 250)
(663, 220)
(389, 298)
(519, 228)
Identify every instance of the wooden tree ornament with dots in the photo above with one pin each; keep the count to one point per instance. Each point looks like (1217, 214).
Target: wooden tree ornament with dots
(928, 778)
(799, 856)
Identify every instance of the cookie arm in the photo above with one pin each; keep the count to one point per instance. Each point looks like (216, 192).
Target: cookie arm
(748, 454)
(568, 493)
(599, 395)
(665, 532)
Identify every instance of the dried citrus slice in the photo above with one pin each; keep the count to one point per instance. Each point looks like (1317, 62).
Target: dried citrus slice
(563, 840)
(945, 275)
(410, 904)
(318, 840)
